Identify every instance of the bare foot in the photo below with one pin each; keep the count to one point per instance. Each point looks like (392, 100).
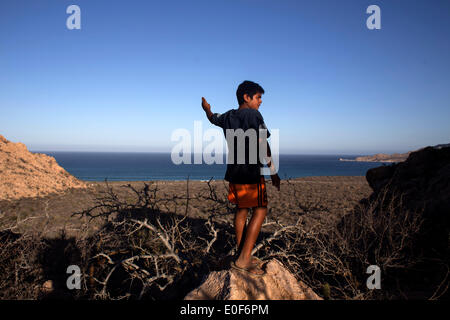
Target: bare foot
(249, 267)
(257, 261)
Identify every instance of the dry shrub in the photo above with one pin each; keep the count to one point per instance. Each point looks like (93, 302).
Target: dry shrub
(333, 258)
(144, 253)
(18, 267)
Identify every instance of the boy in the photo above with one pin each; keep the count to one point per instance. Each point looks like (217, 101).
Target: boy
(246, 184)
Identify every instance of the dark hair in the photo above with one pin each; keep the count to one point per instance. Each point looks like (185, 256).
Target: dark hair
(248, 87)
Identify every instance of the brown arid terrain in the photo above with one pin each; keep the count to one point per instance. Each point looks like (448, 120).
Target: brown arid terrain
(50, 223)
(317, 196)
(164, 240)
(27, 174)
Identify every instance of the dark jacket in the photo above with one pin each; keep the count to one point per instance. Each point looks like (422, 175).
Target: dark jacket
(247, 169)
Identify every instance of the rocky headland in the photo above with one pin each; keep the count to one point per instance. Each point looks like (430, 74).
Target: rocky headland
(396, 157)
(381, 157)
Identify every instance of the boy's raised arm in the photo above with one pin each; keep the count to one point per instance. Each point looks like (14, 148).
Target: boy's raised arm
(207, 108)
(214, 118)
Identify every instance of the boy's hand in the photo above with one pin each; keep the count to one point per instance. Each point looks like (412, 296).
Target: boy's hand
(205, 105)
(276, 181)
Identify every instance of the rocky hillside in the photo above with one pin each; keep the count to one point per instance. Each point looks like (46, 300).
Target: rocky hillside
(423, 181)
(27, 174)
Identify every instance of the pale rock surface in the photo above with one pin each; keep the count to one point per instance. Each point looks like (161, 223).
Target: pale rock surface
(27, 174)
(277, 284)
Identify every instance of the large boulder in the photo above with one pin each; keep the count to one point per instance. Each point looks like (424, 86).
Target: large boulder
(277, 284)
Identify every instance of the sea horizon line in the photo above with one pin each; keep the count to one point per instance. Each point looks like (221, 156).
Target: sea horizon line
(192, 153)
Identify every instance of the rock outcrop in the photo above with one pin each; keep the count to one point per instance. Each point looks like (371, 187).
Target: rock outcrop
(27, 174)
(277, 284)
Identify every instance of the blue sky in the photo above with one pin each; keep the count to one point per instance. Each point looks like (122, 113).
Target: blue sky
(137, 70)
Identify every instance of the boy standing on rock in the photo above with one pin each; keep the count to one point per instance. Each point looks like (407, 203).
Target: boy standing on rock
(247, 188)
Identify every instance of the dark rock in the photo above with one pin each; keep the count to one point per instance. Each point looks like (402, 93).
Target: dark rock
(424, 181)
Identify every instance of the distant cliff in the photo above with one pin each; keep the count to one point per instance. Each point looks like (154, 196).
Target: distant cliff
(381, 157)
(396, 157)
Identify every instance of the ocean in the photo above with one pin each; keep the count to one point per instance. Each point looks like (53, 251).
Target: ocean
(128, 166)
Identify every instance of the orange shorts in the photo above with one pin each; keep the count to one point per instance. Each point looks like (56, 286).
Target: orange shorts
(248, 195)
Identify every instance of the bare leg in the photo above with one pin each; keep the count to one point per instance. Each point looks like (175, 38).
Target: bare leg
(253, 229)
(240, 219)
